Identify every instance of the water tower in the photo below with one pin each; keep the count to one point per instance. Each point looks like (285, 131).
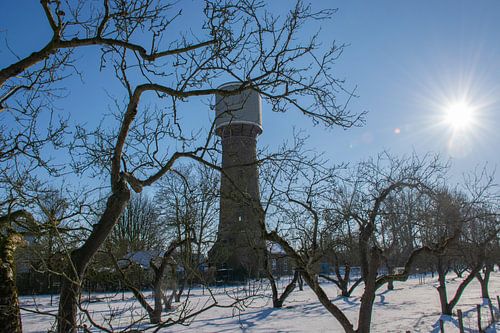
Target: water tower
(239, 245)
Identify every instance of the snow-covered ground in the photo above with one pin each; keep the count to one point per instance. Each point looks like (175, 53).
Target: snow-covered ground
(411, 306)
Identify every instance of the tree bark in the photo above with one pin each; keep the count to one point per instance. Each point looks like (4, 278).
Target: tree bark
(159, 294)
(81, 257)
(155, 315)
(390, 285)
(443, 297)
(447, 307)
(368, 297)
(355, 284)
(10, 316)
(390, 271)
(20, 66)
(179, 292)
(462, 286)
(342, 282)
(325, 300)
(300, 281)
(278, 301)
(485, 280)
(311, 281)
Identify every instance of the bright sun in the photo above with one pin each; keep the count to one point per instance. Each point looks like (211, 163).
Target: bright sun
(459, 116)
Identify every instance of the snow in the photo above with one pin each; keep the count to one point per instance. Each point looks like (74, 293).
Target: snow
(142, 258)
(275, 248)
(412, 306)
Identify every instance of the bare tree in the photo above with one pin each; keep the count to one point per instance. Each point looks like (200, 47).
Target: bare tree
(341, 249)
(138, 229)
(188, 202)
(10, 239)
(155, 311)
(449, 218)
(373, 183)
(33, 222)
(462, 212)
(282, 177)
(491, 250)
(483, 233)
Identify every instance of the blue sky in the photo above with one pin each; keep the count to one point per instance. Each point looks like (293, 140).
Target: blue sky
(409, 60)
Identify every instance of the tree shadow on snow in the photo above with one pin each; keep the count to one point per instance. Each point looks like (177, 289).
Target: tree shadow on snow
(382, 297)
(246, 320)
(352, 302)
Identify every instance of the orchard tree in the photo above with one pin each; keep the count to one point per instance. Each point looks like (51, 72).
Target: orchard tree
(10, 239)
(371, 185)
(483, 238)
(188, 203)
(291, 183)
(138, 229)
(470, 214)
(159, 267)
(341, 249)
(36, 212)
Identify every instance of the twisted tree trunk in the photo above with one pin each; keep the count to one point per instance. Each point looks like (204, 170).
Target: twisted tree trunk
(447, 307)
(484, 280)
(81, 257)
(342, 282)
(368, 297)
(10, 316)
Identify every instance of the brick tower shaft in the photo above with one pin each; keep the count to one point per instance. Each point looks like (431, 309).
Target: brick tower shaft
(240, 245)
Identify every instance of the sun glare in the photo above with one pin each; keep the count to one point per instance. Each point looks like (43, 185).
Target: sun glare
(464, 125)
(459, 116)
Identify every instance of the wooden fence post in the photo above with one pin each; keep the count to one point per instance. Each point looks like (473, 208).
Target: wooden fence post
(478, 307)
(460, 321)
